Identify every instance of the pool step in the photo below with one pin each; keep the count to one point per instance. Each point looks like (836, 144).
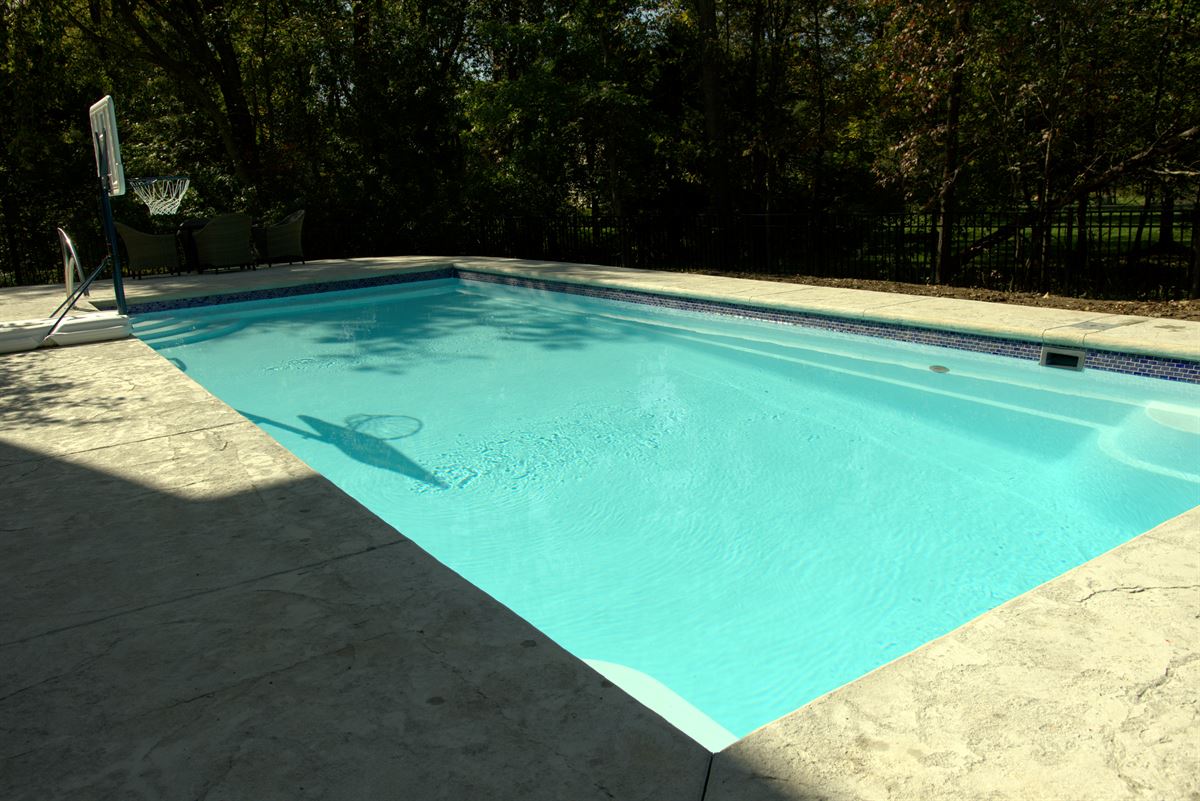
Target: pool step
(666, 702)
(1151, 440)
(157, 334)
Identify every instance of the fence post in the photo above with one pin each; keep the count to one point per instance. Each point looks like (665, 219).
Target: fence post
(1194, 289)
(892, 245)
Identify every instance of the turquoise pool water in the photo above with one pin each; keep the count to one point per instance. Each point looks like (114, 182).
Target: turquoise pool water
(749, 514)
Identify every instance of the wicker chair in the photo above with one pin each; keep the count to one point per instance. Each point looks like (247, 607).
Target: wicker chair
(224, 242)
(281, 242)
(153, 253)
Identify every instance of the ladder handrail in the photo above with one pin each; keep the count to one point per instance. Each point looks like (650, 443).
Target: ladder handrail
(72, 269)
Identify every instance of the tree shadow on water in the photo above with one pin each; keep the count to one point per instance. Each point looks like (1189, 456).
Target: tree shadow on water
(392, 340)
(359, 444)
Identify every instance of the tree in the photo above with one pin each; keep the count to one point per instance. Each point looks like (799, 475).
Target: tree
(927, 55)
(47, 177)
(395, 121)
(192, 42)
(558, 111)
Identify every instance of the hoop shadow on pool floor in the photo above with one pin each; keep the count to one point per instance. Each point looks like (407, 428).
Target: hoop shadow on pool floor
(359, 445)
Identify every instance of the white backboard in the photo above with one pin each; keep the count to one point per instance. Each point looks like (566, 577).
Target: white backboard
(103, 114)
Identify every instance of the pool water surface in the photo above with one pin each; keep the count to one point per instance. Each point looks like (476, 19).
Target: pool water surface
(729, 514)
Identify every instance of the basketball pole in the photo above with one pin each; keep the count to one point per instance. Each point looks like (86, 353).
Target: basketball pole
(110, 231)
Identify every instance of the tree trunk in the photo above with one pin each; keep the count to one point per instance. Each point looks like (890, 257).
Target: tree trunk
(177, 40)
(1195, 288)
(597, 229)
(819, 179)
(1041, 242)
(943, 266)
(1081, 267)
(753, 93)
(8, 248)
(228, 74)
(1166, 219)
(1134, 163)
(361, 14)
(710, 86)
(1082, 250)
(1142, 217)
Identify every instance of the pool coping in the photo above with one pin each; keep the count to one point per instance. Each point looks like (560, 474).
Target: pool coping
(899, 733)
(1117, 343)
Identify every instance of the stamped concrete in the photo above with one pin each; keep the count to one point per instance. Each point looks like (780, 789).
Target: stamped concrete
(1170, 338)
(36, 302)
(183, 493)
(990, 319)
(190, 612)
(1153, 337)
(1084, 688)
(61, 400)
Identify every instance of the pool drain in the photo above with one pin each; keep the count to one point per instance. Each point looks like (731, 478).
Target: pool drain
(937, 368)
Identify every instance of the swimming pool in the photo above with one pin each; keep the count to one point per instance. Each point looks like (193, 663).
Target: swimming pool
(749, 514)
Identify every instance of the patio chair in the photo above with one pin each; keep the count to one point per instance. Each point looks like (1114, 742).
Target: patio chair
(281, 242)
(148, 252)
(224, 242)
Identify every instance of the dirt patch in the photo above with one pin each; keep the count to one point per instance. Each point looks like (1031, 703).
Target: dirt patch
(1173, 309)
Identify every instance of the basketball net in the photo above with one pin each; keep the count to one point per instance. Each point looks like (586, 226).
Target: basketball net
(162, 194)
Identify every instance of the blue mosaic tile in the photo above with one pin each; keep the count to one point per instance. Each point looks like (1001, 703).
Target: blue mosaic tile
(1129, 363)
(895, 331)
(1111, 361)
(1151, 366)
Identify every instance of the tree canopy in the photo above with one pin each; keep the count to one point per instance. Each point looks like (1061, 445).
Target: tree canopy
(395, 121)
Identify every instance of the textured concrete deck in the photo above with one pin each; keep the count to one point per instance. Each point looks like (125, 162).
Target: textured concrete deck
(190, 612)
(1085, 688)
(1127, 333)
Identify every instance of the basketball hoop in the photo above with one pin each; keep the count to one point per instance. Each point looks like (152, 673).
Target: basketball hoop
(162, 194)
(110, 175)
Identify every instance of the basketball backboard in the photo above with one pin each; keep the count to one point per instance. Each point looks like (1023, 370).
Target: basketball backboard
(106, 144)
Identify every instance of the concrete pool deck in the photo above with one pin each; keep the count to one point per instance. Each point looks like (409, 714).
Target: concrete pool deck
(190, 612)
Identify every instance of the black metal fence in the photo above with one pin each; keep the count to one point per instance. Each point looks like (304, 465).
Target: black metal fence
(1119, 252)
(1122, 251)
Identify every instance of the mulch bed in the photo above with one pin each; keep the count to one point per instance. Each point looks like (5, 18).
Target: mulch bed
(1173, 309)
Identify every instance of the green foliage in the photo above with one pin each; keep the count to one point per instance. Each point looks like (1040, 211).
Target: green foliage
(45, 153)
(394, 122)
